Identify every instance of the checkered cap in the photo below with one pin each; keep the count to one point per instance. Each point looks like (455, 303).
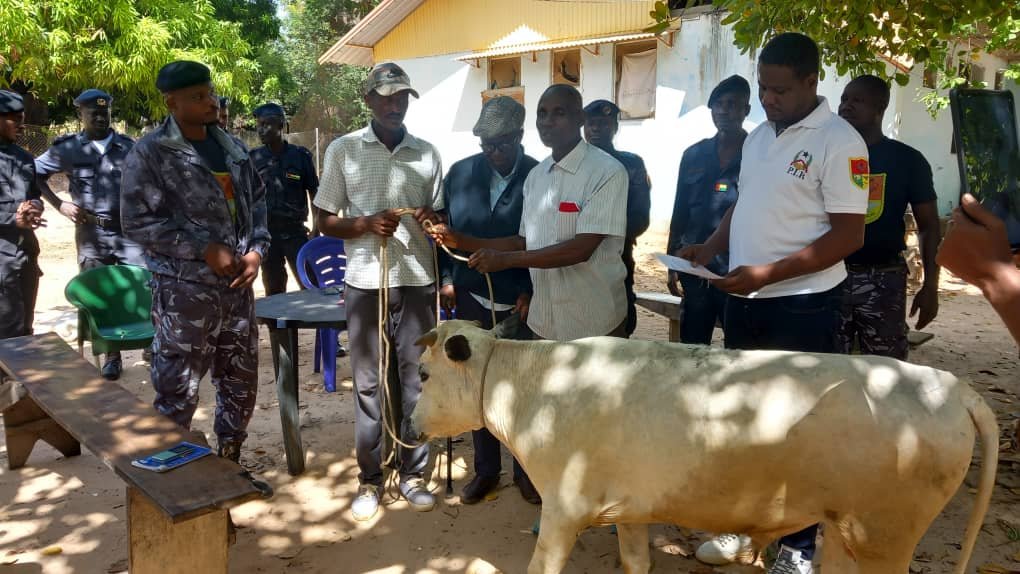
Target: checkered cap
(500, 116)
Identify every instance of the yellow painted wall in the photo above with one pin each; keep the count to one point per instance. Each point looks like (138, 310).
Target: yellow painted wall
(448, 26)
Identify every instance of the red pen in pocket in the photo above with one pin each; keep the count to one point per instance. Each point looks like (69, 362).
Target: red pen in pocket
(569, 207)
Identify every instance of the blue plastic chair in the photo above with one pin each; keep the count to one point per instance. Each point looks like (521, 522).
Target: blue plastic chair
(325, 258)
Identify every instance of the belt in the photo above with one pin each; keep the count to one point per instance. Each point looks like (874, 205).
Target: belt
(880, 267)
(102, 221)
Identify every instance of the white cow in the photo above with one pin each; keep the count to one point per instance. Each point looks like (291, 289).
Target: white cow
(763, 443)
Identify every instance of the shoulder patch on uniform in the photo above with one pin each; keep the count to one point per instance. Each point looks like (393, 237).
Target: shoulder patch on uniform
(859, 171)
(63, 138)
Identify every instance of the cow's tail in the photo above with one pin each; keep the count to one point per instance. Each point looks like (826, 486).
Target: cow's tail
(988, 432)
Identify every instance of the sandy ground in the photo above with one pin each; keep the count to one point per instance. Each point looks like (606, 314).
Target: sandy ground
(77, 504)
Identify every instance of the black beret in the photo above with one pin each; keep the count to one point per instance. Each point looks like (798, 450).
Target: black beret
(601, 108)
(94, 97)
(181, 74)
(11, 102)
(269, 110)
(731, 85)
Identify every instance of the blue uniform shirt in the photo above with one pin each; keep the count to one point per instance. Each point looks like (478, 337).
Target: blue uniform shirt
(290, 184)
(94, 177)
(704, 192)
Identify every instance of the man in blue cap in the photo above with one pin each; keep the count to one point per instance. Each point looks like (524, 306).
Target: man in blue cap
(20, 214)
(93, 161)
(601, 122)
(192, 197)
(288, 172)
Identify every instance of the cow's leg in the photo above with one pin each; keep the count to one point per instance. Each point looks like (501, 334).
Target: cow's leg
(634, 548)
(556, 537)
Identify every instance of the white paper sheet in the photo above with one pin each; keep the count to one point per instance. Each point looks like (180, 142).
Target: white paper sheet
(685, 266)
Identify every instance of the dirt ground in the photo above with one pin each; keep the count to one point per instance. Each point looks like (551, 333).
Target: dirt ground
(77, 504)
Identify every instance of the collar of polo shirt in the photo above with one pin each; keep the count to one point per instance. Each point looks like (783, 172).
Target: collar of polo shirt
(815, 119)
(408, 141)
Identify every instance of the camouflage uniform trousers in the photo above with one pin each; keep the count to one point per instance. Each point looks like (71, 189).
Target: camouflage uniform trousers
(874, 312)
(200, 328)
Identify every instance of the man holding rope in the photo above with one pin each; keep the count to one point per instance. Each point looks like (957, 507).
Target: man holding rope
(484, 195)
(573, 225)
(370, 177)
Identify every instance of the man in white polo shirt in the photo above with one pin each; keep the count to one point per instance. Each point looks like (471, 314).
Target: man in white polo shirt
(573, 225)
(803, 196)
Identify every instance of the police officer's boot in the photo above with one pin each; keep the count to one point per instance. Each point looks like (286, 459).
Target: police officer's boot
(232, 451)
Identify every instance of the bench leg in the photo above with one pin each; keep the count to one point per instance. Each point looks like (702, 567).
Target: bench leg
(674, 331)
(25, 424)
(156, 545)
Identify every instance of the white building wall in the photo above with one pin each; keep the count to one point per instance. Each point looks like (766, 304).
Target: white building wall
(703, 54)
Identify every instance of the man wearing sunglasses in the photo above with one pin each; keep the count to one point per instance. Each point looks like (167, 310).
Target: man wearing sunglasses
(484, 196)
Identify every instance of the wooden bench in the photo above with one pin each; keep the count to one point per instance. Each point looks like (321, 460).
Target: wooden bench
(177, 521)
(665, 305)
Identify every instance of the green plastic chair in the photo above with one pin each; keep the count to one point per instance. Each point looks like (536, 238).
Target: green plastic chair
(114, 308)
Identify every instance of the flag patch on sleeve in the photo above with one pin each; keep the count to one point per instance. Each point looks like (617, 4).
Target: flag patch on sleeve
(859, 171)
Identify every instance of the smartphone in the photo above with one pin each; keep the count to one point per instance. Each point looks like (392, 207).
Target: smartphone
(988, 152)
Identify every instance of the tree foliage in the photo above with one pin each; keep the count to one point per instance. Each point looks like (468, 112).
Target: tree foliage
(55, 48)
(861, 37)
(326, 96)
(257, 18)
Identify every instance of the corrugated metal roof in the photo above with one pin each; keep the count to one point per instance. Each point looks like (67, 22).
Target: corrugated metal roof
(556, 45)
(355, 47)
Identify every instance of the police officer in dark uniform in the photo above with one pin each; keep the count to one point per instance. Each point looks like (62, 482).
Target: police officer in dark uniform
(706, 188)
(289, 174)
(93, 161)
(20, 214)
(601, 122)
(193, 199)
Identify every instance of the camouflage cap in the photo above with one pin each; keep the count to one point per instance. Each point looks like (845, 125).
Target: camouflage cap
(387, 79)
(500, 116)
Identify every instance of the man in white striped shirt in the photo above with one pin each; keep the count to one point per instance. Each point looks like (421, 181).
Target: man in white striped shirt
(572, 230)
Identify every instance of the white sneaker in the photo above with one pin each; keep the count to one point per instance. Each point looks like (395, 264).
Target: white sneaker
(366, 504)
(417, 494)
(724, 549)
(790, 562)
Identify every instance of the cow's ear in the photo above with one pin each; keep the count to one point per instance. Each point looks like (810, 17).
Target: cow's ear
(428, 339)
(457, 348)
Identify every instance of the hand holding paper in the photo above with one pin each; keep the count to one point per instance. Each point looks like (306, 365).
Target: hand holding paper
(685, 266)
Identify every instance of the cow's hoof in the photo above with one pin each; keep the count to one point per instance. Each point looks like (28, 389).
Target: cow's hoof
(479, 487)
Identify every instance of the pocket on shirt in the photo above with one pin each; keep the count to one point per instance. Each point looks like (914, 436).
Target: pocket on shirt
(566, 225)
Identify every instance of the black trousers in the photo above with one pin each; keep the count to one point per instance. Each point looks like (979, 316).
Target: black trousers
(281, 252)
(18, 291)
(488, 462)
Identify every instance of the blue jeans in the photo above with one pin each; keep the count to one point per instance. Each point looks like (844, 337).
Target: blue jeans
(807, 323)
(703, 305)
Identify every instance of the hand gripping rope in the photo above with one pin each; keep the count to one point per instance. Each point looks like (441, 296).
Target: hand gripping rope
(384, 345)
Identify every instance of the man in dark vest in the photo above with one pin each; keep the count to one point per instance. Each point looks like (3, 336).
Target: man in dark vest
(484, 195)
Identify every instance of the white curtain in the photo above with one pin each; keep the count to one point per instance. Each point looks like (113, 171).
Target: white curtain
(636, 93)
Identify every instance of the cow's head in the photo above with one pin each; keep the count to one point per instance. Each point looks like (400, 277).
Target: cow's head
(451, 371)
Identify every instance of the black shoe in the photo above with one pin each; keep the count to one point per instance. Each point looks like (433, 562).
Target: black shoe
(528, 492)
(340, 350)
(147, 355)
(112, 368)
(232, 451)
(479, 487)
